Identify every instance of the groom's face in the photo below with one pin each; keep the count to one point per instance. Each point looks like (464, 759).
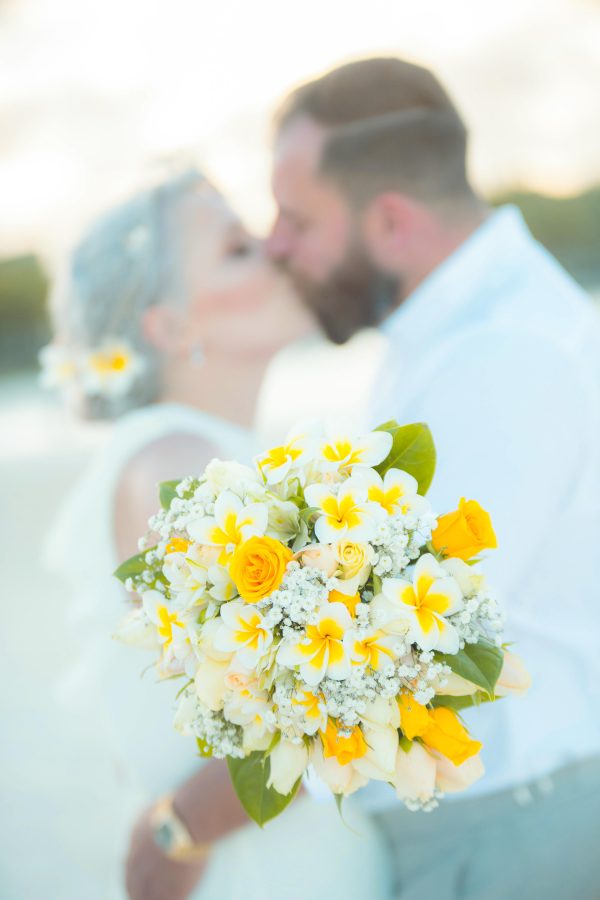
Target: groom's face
(317, 239)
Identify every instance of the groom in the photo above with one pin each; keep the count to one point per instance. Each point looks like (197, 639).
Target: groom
(498, 350)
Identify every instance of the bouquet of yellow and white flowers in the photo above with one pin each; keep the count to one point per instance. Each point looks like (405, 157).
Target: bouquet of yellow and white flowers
(322, 615)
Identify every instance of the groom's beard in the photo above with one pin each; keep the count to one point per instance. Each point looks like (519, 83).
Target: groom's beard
(356, 295)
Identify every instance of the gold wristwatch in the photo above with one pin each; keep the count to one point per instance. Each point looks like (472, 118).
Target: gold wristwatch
(172, 835)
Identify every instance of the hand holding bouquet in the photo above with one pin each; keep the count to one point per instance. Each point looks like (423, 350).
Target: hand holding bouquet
(321, 614)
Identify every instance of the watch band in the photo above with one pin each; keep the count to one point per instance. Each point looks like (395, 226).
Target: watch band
(172, 835)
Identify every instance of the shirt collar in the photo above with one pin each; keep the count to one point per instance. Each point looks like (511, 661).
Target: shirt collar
(461, 279)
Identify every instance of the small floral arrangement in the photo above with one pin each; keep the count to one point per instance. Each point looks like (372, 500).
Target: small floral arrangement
(322, 615)
(107, 370)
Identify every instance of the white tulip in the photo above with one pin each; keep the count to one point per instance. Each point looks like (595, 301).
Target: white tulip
(414, 778)
(210, 682)
(379, 760)
(514, 677)
(339, 779)
(138, 631)
(450, 778)
(288, 763)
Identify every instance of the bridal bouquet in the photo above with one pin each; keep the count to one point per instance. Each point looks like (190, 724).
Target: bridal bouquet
(322, 615)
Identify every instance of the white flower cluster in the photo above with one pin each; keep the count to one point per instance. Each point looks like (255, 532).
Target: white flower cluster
(108, 370)
(316, 616)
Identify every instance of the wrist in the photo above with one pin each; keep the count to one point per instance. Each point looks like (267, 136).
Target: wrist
(172, 834)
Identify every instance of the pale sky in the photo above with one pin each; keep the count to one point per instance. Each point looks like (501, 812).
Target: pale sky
(92, 94)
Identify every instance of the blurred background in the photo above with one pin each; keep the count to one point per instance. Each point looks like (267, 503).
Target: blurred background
(95, 98)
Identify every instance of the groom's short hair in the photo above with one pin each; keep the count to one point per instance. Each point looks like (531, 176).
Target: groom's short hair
(390, 126)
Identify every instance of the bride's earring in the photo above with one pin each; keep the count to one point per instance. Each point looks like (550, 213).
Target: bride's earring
(197, 355)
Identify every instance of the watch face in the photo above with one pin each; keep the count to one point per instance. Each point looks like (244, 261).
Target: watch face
(163, 837)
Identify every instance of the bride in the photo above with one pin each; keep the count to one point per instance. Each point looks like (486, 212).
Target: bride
(166, 320)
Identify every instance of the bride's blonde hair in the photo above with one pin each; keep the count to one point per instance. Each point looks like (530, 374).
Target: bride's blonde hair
(125, 263)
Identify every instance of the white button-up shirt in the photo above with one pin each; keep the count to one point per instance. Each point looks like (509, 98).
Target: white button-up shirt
(499, 352)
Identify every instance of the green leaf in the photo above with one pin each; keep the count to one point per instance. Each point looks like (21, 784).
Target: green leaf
(133, 566)
(204, 749)
(413, 451)
(249, 777)
(167, 491)
(405, 744)
(480, 663)
(376, 584)
(458, 703)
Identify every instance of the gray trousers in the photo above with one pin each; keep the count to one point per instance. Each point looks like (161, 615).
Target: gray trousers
(541, 842)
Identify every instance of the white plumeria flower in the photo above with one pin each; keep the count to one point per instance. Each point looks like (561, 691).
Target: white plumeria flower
(58, 366)
(246, 702)
(320, 650)
(231, 524)
(137, 630)
(311, 709)
(229, 475)
(187, 574)
(342, 451)
(111, 369)
(345, 513)
(277, 463)
(165, 617)
(420, 607)
(396, 492)
(172, 632)
(470, 579)
(244, 632)
(222, 587)
(377, 649)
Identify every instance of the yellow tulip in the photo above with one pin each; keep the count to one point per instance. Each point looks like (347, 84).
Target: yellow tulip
(415, 719)
(344, 749)
(446, 735)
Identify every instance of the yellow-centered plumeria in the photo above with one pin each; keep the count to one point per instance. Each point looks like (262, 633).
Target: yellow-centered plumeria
(343, 452)
(313, 623)
(420, 607)
(232, 523)
(312, 708)
(343, 512)
(110, 369)
(320, 650)
(277, 463)
(396, 492)
(58, 365)
(243, 631)
(376, 649)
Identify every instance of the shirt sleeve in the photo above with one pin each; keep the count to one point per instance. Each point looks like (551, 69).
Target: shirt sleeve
(508, 415)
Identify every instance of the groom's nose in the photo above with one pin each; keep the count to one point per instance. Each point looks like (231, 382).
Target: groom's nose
(278, 244)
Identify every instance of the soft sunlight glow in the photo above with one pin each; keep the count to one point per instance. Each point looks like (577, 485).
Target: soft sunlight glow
(92, 94)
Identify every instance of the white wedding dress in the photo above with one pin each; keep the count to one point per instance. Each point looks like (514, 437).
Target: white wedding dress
(308, 852)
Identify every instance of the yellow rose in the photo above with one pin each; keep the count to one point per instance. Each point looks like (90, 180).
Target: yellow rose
(345, 749)
(350, 602)
(257, 567)
(465, 532)
(446, 735)
(352, 558)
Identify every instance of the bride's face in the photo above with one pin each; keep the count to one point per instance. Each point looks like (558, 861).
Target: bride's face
(237, 301)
